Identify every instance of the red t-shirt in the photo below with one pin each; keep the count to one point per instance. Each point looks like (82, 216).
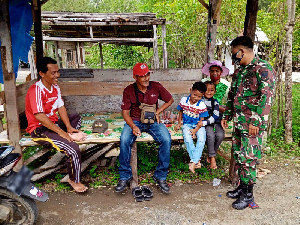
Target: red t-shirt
(154, 92)
(41, 100)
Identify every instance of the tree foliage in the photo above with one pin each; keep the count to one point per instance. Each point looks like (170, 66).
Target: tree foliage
(186, 33)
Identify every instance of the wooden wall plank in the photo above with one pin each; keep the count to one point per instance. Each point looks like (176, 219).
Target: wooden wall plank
(116, 88)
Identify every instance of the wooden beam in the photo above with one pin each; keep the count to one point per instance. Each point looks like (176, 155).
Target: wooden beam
(204, 4)
(155, 49)
(165, 52)
(13, 127)
(111, 39)
(106, 23)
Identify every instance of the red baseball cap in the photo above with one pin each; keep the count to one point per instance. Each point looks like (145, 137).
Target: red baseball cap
(140, 69)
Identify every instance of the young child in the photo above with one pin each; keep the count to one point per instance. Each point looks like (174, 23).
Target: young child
(191, 110)
(214, 131)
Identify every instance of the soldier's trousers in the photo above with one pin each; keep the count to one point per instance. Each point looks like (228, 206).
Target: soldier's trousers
(246, 152)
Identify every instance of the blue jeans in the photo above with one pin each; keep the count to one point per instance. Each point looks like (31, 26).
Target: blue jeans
(195, 152)
(160, 134)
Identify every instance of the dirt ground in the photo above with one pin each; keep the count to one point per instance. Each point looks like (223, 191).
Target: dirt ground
(277, 194)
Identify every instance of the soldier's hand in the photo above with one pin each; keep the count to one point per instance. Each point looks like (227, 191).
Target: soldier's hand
(253, 130)
(224, 124)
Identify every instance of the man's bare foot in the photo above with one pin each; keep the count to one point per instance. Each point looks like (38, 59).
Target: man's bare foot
(78, 136)
(198, 165)
(213, 164)
(192, 167)
(78, 187)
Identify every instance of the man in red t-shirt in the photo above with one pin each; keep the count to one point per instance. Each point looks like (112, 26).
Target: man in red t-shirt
(148, 92)
(43, 102)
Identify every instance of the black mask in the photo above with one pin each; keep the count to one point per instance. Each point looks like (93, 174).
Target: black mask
(235, 59)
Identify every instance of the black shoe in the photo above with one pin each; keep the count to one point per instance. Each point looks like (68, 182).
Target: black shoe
(138, 194)
(235, 193)
(245, 198)
(147, 192)
(122, 184)
(162, 184)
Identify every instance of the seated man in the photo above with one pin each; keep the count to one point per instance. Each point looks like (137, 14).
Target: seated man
(139, 93)
(43, 100)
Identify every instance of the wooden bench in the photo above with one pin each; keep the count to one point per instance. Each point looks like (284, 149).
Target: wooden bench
(102, 91)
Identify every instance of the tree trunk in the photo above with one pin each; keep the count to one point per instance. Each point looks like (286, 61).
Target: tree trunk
(288, 70)
(250, 19)
(212, 23)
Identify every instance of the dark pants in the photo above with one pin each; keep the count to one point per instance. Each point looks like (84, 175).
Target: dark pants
(160, 134)
(50, 139)
(214, 137)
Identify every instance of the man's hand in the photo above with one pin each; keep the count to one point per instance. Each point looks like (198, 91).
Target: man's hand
(72, 130)
(136, 131)
(253, 130)
(193, 132)
(224, 124)
(221, 109)
(65, 135)
(157, 117)
(200, 124)
(177, 127)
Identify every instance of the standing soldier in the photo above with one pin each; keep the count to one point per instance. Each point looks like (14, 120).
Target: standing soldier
(249, 103)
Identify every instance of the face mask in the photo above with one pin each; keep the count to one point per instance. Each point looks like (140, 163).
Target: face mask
(235, 59)
(215, 78)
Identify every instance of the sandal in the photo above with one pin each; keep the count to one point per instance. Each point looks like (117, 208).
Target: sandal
(147, 192)
(137, 193)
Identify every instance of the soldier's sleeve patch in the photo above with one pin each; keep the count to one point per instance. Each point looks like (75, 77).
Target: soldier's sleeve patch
(264, 75)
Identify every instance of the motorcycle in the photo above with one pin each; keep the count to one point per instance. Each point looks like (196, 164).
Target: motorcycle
(17, 193)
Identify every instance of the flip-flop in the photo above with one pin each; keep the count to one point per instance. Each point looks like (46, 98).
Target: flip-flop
(137, 193)
(147, 192)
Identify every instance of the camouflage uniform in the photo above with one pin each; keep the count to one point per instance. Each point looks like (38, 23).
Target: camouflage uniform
(249, 102)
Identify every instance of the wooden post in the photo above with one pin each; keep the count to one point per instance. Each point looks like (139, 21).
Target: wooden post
(133, 163)
(78, 54)
(213, 15)
(36, 14)
(101, 55)
(165, 52)
(56, 53)
(33, 71)
(13, 125)
(155, 50)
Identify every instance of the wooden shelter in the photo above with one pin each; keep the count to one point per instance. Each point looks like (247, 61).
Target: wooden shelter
(69, 29)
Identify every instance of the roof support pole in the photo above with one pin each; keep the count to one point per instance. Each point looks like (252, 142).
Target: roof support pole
(101, 55)
(212, 23)
(155, 49)
(13, 125)
(56, 53)
(78, 55)
(165, 52)
(36, 14)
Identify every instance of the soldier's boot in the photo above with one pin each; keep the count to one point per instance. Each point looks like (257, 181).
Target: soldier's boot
(237, 192)
(246, 197)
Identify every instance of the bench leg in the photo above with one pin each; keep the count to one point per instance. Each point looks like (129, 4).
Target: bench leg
(133, 163)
